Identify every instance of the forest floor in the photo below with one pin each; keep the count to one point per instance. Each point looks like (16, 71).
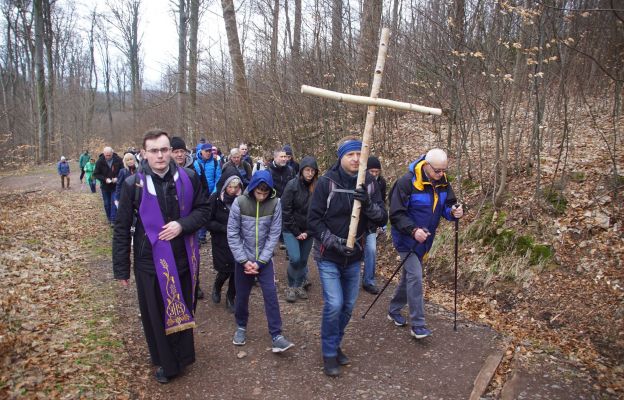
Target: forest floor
(67, 330)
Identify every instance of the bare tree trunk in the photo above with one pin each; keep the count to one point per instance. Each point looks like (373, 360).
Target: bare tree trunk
(336, 44)
(369, 32)
(48, 40)
(238, 67)
(181, 98)
(192, 78)
(274, 37)
(42, 112)
(92, 74)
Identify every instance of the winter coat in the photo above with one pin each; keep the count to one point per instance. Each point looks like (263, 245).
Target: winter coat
(244, 171)
(88, 169)
(296, 200)
(209, 170)
(222, 258)
(254, 228)
(281, 176)
(415, 202)
(62, 168)
(330, 213)
(129, 203)
(103, 171)
(84, 159)
(294, 165)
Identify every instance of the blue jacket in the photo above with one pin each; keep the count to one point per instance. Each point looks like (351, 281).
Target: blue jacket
(63, 168)
(254, 228)
(415, 202)
(209, 170)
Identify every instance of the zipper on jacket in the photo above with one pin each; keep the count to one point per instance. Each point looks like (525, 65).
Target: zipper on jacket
(257, 218)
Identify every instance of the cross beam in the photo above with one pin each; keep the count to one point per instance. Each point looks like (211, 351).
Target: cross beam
(372, 103)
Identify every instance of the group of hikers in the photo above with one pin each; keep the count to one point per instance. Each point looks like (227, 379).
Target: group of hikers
(170, 197)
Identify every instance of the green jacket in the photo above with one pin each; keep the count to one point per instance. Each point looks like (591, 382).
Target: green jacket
(88, 169)
(84, 160)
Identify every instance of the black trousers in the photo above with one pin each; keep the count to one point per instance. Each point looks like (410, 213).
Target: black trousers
(220, 281)
(172, 352)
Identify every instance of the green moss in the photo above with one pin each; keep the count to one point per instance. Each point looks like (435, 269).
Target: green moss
(470, 185)
(524, 244)
(541, 253)
(556, 199)
(576, 176)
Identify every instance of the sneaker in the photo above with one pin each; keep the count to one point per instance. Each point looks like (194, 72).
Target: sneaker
(291, 295)
(372, 289)
(331, 366)
(281, 344)
(306, 284)
(282, 246)
(342, 358)
(301, 293)
(240, 336)
(160, 376)
(398, 319)
(420, 332)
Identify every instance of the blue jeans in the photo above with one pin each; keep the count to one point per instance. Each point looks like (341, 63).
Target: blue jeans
(410, 291)
(243, 284)
(298, 253)
(370, 259)
(341, 286)
(109, 205)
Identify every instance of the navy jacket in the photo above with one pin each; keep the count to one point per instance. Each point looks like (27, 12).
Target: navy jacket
(337, 216)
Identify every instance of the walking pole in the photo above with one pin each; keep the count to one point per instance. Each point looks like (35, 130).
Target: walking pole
(456, 247)
(387, 283)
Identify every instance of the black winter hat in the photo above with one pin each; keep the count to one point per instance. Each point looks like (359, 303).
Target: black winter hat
(178, 143)
(373, 162)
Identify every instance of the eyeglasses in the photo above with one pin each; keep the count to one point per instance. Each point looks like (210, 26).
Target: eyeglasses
(163, 150)
(438, 170)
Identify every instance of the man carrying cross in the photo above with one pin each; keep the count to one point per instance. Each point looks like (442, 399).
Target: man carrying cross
(170, 206)
(339, 265)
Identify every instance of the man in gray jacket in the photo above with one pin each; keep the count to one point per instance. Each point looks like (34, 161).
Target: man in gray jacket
(254, 226)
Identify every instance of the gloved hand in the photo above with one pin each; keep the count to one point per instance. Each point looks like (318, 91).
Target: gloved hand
(338, 244)
(361, 194)
(347, 252)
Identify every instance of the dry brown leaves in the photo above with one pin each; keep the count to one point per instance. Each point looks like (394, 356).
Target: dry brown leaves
(56, 324)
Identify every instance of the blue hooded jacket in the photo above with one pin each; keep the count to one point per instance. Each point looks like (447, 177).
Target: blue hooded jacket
(416, 202)
(209, 170)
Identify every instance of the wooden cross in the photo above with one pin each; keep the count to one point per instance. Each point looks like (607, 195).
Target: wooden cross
(372, 103)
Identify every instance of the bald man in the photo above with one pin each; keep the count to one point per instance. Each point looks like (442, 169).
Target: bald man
(107, 168)
(417, 202)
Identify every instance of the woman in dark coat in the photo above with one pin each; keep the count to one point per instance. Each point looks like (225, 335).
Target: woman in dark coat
(295, 203)
(222, 258)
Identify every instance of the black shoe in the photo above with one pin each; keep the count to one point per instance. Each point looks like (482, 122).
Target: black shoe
(200, 293)
(372, 289)
(330, 366)
(229, 304)
(160, 376)
(216, 295)
(342, 358)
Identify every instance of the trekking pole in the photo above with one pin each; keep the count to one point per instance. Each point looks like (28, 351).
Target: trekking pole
(456, 251)
(387, 283)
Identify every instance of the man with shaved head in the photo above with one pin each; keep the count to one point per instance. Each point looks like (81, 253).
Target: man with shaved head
(107, 168)
(417, 201)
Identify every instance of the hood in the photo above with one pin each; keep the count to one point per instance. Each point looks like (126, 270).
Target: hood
(308, 161)
(258, 178)
(225, 175)
(227, 182)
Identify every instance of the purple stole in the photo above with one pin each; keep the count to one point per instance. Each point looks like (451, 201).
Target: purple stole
(177, 316)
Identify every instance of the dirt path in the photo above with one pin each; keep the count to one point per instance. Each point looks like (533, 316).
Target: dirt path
(386, 361)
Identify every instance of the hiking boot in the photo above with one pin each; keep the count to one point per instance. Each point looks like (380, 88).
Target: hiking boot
(229, 304)
(282, 246)
(420, 332)
(372, 289)
(342, 358)
(301, 293)
(291, 295)
(306, 284)
(240, 336)
(160, 376)
(398, 319)
(200, 293)
(281, 344)
(330, 366)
